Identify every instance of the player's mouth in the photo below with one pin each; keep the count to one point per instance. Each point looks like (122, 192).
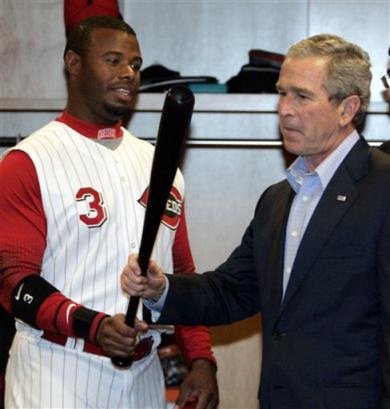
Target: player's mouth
(124, 94)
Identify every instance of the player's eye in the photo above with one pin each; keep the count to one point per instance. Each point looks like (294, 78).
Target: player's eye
(112, 60)
(136, 65)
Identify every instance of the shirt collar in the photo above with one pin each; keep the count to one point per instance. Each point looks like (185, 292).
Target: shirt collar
(89, 130)
(298, 170)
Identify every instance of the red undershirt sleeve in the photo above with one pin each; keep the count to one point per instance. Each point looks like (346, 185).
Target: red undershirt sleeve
(22, 223)
(23, 241)
(194, 342)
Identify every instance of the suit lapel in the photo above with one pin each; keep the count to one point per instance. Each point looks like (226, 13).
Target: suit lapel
(337, 198)
(278, 229)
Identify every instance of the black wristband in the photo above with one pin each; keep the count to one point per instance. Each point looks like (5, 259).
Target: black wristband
(82, 321)
(28, 296)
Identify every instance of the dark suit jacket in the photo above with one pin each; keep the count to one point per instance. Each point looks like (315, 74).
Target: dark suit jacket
(327, 345)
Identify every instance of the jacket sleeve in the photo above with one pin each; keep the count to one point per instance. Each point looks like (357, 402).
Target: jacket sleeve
(228, 294)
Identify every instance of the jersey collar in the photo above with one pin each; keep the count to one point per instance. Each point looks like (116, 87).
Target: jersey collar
(91, 130)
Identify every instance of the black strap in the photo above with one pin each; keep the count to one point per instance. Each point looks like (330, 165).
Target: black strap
(28, 296)
(82, 321)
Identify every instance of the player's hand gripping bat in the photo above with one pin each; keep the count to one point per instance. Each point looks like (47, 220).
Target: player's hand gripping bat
(173, 128)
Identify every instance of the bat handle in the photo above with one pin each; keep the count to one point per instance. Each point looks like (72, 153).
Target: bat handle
(143, 260)
(119, 362)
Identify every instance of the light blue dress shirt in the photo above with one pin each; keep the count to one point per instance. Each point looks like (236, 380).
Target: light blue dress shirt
(309, 187)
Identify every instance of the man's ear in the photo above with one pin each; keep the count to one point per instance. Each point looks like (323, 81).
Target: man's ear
(72, 62)
(348, 109)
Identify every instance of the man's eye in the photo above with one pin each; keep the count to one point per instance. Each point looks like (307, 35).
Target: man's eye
(136, 66)
(113, 60)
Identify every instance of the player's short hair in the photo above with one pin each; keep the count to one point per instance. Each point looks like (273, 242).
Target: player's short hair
(79, 38)
(348, 68)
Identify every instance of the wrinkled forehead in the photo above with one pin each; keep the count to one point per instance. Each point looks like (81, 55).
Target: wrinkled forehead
(303, 71)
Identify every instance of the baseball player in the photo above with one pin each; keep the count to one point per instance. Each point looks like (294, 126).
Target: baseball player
(71, 210)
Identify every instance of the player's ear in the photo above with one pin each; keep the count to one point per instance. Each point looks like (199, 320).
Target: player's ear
(72, 62)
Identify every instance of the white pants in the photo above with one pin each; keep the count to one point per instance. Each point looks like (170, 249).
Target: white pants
(41, 374)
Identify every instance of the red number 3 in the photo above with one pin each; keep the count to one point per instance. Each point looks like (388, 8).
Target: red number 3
(95, 215)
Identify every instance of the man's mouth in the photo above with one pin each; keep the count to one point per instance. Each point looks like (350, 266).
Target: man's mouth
(124, 92)
(289, 128)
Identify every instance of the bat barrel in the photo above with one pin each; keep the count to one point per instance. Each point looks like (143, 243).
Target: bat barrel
(174, 123)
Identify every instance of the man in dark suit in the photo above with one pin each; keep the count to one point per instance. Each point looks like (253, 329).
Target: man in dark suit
(315, 259)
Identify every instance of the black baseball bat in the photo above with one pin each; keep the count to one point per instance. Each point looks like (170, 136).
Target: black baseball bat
(174, 123)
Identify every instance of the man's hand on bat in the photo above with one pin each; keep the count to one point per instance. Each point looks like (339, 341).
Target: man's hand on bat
(118, 339)
(134, 284)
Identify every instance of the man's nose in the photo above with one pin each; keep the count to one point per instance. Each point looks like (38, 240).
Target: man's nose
(284, 106)
(127, 71)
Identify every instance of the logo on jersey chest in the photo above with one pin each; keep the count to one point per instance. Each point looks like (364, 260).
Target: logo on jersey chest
(172, 212)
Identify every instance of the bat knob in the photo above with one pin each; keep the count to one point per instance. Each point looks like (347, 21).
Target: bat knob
(121, 363)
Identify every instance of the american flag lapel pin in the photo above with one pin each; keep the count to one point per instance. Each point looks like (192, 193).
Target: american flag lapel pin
(341, 198)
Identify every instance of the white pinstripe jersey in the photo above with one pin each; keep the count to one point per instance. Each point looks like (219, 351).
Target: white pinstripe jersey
(90, 195)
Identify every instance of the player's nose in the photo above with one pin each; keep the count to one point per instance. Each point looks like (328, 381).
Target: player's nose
(128, 71)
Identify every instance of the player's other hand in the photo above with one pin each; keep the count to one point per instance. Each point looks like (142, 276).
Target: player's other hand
(118, 339)
(134, 284)
(200, 385)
